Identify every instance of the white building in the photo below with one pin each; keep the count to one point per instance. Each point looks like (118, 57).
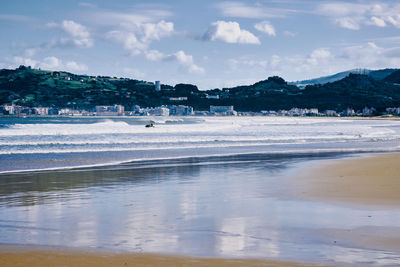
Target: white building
(349, 112)
(42, 111)
(331, 113)
(223, 110)
(181, 98)
(157, 86)
(368, 111)
(180, 110)
(212, 96)
(116, 110)
(220, 109)
(158, 111)
(393, 111)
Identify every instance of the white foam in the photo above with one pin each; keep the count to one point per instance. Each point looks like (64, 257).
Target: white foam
(192, 133)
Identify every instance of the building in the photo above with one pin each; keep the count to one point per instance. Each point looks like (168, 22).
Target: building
(180, 110)
(42, 111)
(158, 111)
(220, 109)
(181, 98)
(212, 96)
(395, 111)
(69, 112)
(157, 86)
(53, 111)
(331, 113)
(223, 110)
(14, 109)
(116, 110)
(368, 111)
(349, 112)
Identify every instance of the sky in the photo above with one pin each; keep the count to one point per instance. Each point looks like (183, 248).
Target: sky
(212, 44)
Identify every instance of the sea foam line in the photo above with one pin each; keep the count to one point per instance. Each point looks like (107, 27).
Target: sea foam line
(276, 152)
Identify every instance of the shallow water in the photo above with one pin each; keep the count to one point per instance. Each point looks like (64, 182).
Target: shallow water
(219, 206)
(46, 143)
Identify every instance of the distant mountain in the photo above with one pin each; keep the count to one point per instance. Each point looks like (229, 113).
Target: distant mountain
(355, 91)
(375, 74)
(32, 87)
(394, 77)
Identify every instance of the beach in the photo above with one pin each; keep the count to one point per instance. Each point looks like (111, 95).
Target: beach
(368, 180)
(240, 191)
(32, 257)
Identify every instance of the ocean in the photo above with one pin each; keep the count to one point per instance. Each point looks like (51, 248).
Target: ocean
(54, 143)
(200, 186)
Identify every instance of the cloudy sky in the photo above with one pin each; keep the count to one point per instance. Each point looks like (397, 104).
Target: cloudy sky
(208, 43)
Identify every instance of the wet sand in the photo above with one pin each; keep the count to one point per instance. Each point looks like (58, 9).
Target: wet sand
(33, 258)
(372, 180)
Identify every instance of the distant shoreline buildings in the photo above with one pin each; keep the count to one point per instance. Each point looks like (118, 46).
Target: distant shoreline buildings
(182, 110)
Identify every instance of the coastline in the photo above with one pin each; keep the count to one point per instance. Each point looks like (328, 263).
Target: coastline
(367, 180)
(11, 256)
(370, 182)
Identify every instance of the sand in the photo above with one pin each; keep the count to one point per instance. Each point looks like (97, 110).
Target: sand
(371, 183)
(35, 258)
(372, 180)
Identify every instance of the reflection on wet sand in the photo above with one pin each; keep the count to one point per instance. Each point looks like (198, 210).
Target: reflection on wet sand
(230, 207)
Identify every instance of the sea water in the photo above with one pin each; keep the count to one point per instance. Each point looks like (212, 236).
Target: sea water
(200, 186)
(45, 143)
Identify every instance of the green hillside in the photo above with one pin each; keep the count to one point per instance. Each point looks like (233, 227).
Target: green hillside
(32, 87)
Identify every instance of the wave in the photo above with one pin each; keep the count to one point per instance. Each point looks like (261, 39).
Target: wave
(183, 139)
(292, 153)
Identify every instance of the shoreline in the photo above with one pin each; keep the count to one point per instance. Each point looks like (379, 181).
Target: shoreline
(368, 179)
(273, 154)
(369, 182)
(381, 117)
(11, 255)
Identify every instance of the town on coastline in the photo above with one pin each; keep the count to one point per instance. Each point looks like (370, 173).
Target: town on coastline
(121, 109)
(182, 110)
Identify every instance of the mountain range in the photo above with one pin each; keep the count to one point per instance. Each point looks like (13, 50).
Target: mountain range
(355, 89)
(375, 74)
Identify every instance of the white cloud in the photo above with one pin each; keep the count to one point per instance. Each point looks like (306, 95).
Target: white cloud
(348, 23)
(128, 20)
(265, 27)
(128, 41)
(378, 22)
(318, 55)
(74, 66)
(78, 34)
(289, 33)
(354, 15)
(244, 10)
(186, 61)
(229, 32)
(325, 61)
(138, 40)
(17, 60)
(154, 55)
(49, 63)
(155, 31)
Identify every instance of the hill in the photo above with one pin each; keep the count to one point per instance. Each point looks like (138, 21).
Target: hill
(393, 77)
(355, 91)
(32, 87)
(375, 74)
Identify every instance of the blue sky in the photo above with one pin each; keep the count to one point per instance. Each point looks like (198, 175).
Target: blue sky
(208, 43)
